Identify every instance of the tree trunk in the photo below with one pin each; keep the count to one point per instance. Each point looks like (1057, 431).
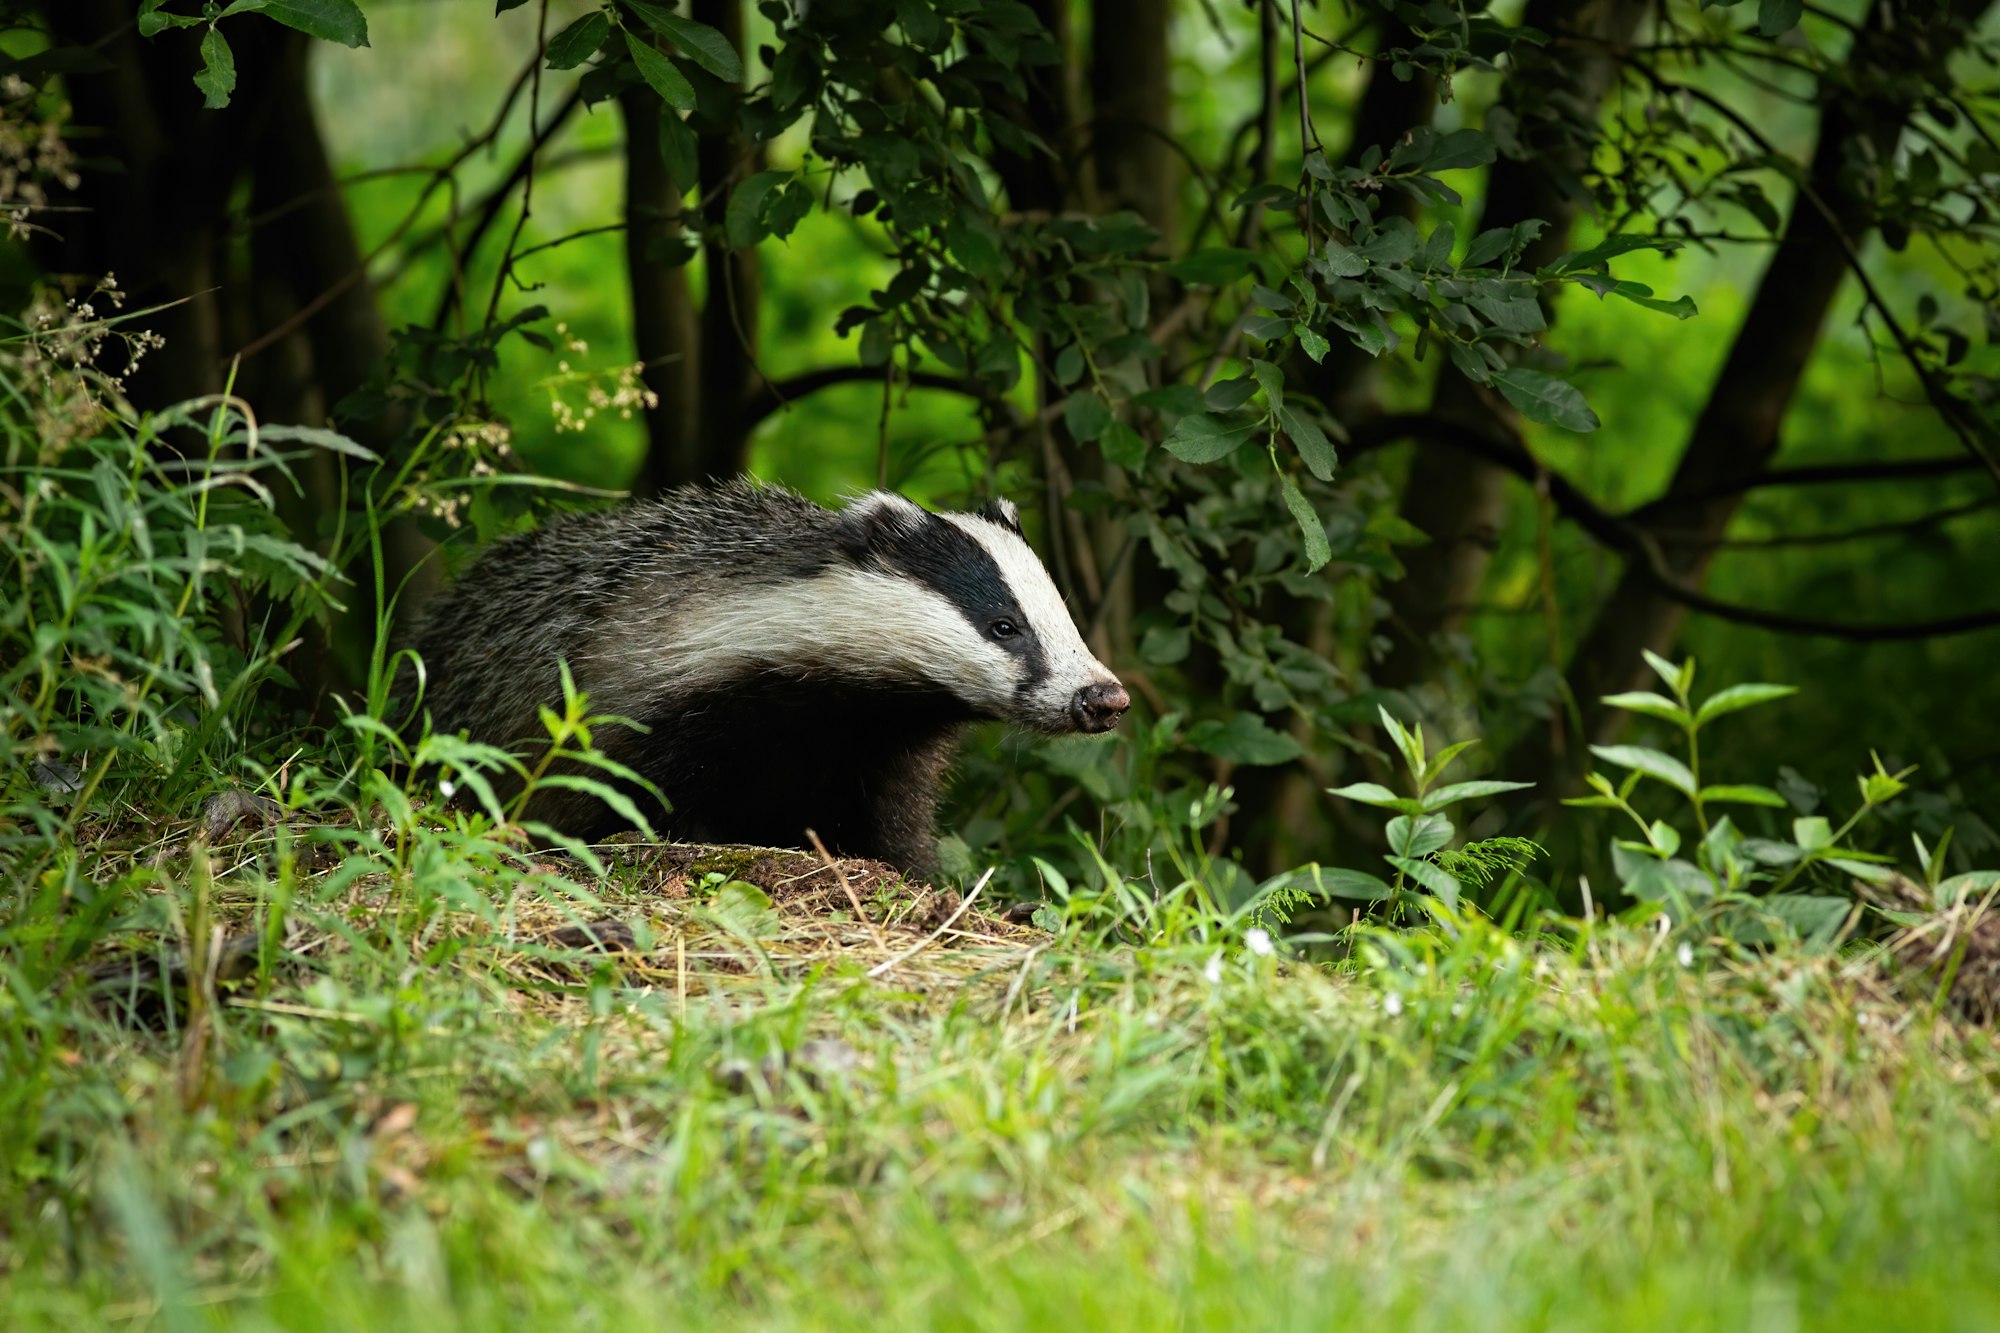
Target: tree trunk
(664, 327)
(1900, 49)
(729, 312)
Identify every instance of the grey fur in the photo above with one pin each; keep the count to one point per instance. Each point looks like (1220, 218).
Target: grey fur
(794, 663)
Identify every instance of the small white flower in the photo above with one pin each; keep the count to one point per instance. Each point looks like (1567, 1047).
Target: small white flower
(1213, 970)
(1259, 941)
(1685, 953)
(1392, 1003)
(447, 788)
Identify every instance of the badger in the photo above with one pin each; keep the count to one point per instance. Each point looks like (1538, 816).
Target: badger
(790, 667)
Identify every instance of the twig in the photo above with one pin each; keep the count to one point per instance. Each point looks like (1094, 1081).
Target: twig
(853, 899)
(950, 921)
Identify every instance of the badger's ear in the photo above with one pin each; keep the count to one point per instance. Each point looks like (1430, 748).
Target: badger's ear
(879, 522)
(1004, 513)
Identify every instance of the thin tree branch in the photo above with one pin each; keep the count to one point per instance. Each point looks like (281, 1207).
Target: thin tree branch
(1621, 534)
(769, 396)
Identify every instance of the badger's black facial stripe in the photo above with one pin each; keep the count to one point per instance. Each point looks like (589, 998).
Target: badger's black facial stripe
(944, 558)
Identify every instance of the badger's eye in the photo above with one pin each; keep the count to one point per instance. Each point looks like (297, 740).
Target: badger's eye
(1002, 629)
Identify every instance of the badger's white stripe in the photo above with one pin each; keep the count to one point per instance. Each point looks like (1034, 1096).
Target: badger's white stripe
(1070, 663)
(847, 621)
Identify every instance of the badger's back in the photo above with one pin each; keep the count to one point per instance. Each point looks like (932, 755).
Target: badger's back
(790, 666)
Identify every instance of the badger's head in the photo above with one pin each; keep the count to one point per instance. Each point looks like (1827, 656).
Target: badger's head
(962, 602)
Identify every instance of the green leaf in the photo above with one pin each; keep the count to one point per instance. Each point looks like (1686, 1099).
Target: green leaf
(1775, 18)
(1458, 151)
(1244, 739)
(1341, 262)
(1418, 835)
(1311, 343)
(1544, 398)
(1164, 645)
(1122, 446)
(1608, 249)
(574, 44)
(1355, 885)
(1086, 414)
(1652, 705)
(743, 220)
(1374, 793)
(1431, 876)
(744, 909)
(1681, 307)
(699, 42)
(1738, 697)
(1315, 450)
(679, 151)
(1214, 268)
(1812, 833)
(1958, 888)
(153, 20)
(1408, 740)
(1311, 526)
(1201, 438)
(1651, 762)
(329, 20)
(1816, 919)
(1679, 677)
(217, 77)
(1466, 791)
(1742, 794)
(660, 74)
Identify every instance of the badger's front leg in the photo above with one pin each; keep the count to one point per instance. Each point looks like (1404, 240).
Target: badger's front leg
(901, 799)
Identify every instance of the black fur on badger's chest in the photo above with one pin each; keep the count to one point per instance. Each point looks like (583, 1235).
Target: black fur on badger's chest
(766, 758)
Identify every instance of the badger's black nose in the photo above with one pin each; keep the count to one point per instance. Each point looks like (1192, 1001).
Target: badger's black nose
(1098, 707)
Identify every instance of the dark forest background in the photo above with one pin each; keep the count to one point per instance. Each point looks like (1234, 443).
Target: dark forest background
(1437, 358)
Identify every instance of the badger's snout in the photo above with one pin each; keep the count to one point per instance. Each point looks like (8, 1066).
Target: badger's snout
(1098, 707)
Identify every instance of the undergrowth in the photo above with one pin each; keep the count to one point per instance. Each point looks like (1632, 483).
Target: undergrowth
(285, 1043)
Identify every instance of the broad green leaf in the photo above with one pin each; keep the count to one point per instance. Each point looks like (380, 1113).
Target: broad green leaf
(1341, 262)
(1214, 268)
(1815, 919)
(1311, 526)
(1666, 839)
(1469, 791)
(1374, 793)
(1544, 398)
(1418, 835)
(1812, 833)
(699, 42)
(1164, 645)
(1775, 18)
(1355, 885)
(1086, 414)
(1652, 705)
(1201, 438)
(1432, 876)
(1122, 446)
(1458, 151)
(660, 74)
(744, 909)
(1651, 762)
(1315, 450)
(1244, 739)
(1311, 343)
(742, 221)
(217, 76)
(152, 21)
(1739, 697)
(679, 151)
(1608, 249)
(574, 44)
(329, 20)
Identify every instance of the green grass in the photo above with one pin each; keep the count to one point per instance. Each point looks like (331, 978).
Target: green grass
(415, 1113)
